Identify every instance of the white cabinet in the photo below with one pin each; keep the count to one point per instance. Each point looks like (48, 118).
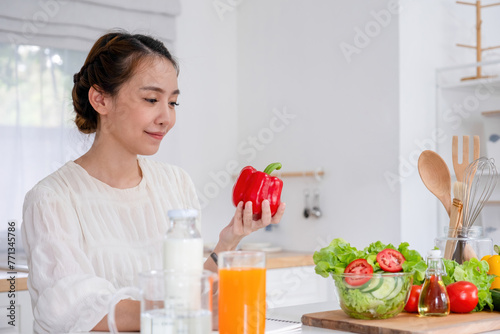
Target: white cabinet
(467, 108)
(296, 286)
(22, 315)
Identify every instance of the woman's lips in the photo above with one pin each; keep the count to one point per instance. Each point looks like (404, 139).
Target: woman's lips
(156, 135)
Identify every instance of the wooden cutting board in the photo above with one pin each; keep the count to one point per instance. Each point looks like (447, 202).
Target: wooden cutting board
(406, 323)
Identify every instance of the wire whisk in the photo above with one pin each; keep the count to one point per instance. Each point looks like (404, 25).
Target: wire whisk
(480, 179)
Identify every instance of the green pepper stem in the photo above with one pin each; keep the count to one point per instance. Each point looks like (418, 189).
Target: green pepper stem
(269, 169)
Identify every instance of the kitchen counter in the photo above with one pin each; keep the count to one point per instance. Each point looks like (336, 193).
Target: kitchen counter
(294, 313)
(287, 259)
(21, 281)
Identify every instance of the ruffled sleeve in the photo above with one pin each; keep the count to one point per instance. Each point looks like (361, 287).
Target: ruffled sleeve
(66, 293)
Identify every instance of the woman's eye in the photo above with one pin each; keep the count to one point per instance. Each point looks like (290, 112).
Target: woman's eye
(152, 101)
(173, 104)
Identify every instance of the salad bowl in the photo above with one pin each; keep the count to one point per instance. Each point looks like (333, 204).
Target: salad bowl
(381, 296)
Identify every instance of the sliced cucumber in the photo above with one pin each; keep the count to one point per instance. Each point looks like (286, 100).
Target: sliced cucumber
(349, 286)
(374, 284)
(388, 284)
(397, 288)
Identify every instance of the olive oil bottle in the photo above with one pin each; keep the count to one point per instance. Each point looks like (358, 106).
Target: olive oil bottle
(434, 300)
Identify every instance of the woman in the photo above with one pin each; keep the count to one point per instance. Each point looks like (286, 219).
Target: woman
(91, 226)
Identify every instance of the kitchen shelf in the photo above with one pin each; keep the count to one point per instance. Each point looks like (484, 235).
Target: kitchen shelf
(491, 113)
(448, 78)
(317, 174)
(495, 82)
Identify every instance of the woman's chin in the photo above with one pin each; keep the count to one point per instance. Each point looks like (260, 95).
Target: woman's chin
(149, 151)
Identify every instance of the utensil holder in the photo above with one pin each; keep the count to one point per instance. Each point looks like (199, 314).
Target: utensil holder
(466, 242)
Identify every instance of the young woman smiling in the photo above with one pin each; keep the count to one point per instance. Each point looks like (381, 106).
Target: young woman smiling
(92, 225)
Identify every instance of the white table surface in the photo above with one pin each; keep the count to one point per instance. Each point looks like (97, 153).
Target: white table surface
(294, 313)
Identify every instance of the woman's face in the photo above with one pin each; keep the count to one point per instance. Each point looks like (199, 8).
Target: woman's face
(143, 111)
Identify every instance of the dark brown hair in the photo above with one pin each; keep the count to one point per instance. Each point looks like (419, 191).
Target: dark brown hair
(109, 64)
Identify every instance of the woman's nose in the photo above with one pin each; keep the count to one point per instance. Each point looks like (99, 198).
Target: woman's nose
(165, 116)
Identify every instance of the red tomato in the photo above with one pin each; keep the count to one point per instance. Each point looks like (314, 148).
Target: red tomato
(412, 303)
(463, 296)
(360, 267)
(390, 260)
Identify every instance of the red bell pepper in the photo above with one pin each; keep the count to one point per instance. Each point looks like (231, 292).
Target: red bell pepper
(256, 186)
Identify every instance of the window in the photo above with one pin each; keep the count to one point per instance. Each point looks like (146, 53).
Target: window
(37, 133)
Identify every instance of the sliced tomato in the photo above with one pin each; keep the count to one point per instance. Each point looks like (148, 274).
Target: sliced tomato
(360, 267)
(390, 260)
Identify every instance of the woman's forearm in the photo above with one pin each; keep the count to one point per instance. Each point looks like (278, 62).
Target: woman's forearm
(127, 315)
(220, 247)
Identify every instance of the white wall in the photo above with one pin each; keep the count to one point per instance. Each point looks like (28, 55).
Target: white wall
(346, 115)
(364, 121)
(291, 63)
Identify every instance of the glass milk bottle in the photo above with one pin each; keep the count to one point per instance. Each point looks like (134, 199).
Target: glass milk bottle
(434, 300)
(183, 255)
(183, 246)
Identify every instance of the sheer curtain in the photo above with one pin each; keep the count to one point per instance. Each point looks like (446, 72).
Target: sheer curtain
(42, 44)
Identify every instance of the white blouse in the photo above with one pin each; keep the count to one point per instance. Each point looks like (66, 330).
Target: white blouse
(85, 239)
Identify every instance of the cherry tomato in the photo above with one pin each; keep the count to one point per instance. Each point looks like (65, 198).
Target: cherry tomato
(390, 260)
(463, 296)
(360, 267)
(412, 303)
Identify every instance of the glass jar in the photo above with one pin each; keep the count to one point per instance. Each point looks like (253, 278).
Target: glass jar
(462, 244)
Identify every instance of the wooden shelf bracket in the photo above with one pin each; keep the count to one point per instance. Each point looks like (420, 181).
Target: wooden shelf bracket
(478, 47)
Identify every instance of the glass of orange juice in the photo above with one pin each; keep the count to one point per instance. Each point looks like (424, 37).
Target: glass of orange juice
(242, 292)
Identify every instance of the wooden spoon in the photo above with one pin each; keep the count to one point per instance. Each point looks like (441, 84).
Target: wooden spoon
(436, 176)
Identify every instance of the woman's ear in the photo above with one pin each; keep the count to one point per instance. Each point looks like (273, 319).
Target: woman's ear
(98, 100)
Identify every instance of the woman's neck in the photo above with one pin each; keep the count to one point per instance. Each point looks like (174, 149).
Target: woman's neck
(114, 167)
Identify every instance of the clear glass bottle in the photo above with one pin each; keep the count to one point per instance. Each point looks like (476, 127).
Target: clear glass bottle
(434, 300)
(183, 246)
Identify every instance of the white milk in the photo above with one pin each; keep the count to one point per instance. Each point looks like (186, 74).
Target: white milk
(183, 254)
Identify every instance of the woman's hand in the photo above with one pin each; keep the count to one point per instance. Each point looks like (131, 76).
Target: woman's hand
(243, 223)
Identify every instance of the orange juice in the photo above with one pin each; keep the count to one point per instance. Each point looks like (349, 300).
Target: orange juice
(242, 300)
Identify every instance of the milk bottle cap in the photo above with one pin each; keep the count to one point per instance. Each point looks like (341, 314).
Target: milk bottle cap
(182, 213)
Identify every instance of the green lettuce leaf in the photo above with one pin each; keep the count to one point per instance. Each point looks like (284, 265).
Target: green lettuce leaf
(476, 272)
(414, 262)
(335, 257)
